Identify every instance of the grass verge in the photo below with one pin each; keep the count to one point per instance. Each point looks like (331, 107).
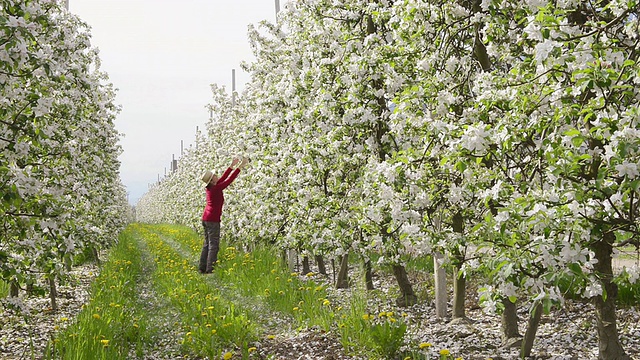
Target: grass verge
(113, 324)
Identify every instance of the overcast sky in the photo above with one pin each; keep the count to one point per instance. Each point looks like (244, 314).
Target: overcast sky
(162, 55)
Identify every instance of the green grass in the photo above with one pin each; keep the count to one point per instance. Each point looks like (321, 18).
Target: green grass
(112, 324)
(221, 315)
(261, 274)
(213, 325)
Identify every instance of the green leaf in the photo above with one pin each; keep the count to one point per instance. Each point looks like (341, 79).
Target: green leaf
(461, 166)
(577, 141)
(575, 268)
(572, 132)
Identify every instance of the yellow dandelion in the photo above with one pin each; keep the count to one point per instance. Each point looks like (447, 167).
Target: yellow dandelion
(214, 331)
(96, 316)
(251, 349)
(227, 356)
(424, 345)
(105, 342)
(444, 352)
(326, 302)
(271, 337)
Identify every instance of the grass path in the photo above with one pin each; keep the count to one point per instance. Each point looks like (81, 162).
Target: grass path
(164, 318)
(276, 323)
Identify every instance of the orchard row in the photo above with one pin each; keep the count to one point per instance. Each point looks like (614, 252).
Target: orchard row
(60, 190)
(501, 134)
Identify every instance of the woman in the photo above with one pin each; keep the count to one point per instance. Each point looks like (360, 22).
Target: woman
(213, 211)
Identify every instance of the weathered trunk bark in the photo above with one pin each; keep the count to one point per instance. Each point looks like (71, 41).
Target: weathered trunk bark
(459, 292)
(53, 293)
(532, 328)
(407, 297)
(510, 335)
(96, 256)
(306, 268)
(609, 346)
(368, 276)
(13, 289)
(343, 275)
(322, 269)
(459, 280)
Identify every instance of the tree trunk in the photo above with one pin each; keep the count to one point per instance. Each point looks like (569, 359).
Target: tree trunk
(96, 257)
(306, 268)
(53, 293)
(343, 276)
(459, 292)
(608, 339)
(13, 289)
(459, 280)
(368, 276)
(510, 335)
(407, 296)
(322, 269)
(532, 328)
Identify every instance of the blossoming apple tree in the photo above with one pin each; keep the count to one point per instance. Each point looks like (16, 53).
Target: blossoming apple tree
(61, 192)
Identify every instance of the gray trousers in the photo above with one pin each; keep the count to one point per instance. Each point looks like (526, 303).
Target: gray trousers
(211, 246)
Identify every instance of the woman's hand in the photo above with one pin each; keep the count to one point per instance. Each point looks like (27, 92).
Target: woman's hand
(235, 161)
(245, 161)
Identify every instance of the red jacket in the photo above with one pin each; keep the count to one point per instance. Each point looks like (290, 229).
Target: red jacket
(215, 199)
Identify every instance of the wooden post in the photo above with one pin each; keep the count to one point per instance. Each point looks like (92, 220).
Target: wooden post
(292, 258)
(441, 285)
(233, 87)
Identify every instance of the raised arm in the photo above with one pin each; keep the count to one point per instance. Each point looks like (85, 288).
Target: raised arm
(223, 183)
(226, 173)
